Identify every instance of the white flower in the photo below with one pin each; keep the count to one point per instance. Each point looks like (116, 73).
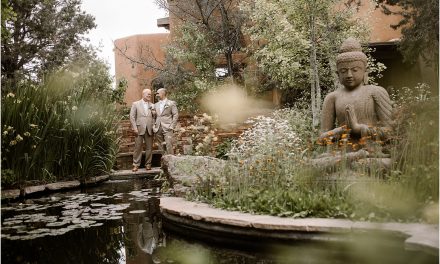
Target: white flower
(27, 134)
(10, 95)
(12, 143)
(18, 138)
(74, 108)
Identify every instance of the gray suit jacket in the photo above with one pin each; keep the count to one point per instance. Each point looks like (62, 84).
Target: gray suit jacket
(141, 120)
(168, 118)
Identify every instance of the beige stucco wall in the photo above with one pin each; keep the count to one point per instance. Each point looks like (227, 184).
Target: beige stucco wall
(379, 22)
(147, 48)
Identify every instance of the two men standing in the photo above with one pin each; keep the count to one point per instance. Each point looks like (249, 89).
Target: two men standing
(147, 118)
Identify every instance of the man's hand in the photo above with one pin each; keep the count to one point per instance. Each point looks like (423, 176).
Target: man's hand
(136, 131)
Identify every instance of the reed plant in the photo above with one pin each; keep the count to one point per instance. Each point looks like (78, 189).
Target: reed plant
(59, 129)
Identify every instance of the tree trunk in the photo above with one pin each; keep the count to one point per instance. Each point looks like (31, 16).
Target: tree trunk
(229, 61)
(314, 77)
(226, 35)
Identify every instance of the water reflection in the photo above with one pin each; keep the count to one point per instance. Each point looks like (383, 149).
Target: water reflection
(143, 231)
(119, 222)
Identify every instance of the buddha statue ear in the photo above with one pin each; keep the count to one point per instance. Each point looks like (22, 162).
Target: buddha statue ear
(365, 81)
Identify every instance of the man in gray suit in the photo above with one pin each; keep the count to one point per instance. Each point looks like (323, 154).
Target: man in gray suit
(166, 121)
(141, 118)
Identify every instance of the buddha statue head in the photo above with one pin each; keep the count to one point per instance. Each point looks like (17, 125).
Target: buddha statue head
(351, 64)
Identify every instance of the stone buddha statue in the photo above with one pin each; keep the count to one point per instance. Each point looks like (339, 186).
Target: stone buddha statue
(357, 110)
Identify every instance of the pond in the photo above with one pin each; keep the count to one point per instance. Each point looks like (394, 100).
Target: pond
(119, 222)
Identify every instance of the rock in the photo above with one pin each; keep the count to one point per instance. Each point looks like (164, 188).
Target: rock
(183, 171)
(10, 194)
(187, 149)
(97, 179)
(34, 189)
(62, 185)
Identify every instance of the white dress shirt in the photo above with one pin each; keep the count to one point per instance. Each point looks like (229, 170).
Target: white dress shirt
(162, 105)
(146, 105)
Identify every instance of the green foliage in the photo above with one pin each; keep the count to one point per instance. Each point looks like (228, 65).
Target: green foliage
(190, 45)
(283, 35)
(118, 94)
(188, 95)
(39, 36)
(201, 134)
(62, 128)
(416, 142)
(207, 31)
(222, 149)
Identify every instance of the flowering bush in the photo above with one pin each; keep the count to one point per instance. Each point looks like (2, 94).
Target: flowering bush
(267, 135)
(202, 134)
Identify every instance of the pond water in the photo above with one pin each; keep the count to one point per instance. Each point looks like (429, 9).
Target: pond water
(119, 222)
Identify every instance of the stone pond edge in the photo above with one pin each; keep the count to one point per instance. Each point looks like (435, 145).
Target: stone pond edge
(418, 236)
(67, 185)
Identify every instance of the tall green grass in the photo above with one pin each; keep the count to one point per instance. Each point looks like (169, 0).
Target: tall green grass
(59, 129)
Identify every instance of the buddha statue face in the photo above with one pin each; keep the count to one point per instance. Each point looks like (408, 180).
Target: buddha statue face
(351, 73)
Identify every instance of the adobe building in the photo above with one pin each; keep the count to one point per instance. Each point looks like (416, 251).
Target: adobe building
(146, 48)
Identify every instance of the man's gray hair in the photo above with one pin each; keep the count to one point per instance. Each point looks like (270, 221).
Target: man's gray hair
(163, 89)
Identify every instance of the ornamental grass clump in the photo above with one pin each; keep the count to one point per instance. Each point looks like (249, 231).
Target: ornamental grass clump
(57, 130)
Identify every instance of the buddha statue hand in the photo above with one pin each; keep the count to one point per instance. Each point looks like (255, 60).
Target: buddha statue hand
(352, 122)
(331, 135)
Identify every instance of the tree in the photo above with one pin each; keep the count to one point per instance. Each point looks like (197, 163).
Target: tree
(206, 29)
(420, 30)
(39, 36)
(295, 42)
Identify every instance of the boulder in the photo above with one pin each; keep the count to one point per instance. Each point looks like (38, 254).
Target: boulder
(183, 171)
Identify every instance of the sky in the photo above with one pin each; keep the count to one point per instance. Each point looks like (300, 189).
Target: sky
(120, 18)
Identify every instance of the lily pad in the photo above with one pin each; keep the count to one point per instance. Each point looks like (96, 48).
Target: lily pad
(137, 212)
